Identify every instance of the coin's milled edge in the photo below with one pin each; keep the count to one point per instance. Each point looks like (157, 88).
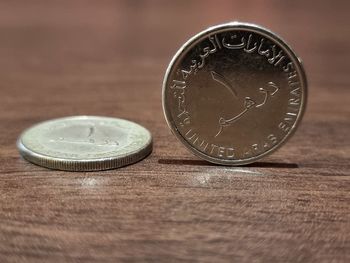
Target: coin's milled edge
(238, 26)
(84, 165)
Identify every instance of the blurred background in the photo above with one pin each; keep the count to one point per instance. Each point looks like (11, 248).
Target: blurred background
(49, 49)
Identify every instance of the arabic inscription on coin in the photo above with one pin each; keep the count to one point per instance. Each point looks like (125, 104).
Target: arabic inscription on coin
(234, 93)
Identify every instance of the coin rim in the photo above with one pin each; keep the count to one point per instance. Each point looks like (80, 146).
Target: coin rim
(221, 28)
(86, 165)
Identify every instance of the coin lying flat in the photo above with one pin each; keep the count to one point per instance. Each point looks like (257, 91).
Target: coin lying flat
(234, 93)
(85, 143)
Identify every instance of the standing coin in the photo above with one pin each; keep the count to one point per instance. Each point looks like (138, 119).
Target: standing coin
(85, 143)
(234, 93)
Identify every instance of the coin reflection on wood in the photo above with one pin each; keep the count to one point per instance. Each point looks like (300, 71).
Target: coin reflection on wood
(234, 93)
(85, 143)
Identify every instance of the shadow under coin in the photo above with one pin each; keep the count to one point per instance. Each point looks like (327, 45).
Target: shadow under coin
(206, 163)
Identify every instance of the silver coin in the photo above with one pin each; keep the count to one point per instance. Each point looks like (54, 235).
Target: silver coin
(234, 93)
(85, 143)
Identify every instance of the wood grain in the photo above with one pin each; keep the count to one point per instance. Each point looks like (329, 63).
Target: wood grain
(60, 58)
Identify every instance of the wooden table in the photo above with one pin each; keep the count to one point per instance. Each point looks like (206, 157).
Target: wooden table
(60, 58)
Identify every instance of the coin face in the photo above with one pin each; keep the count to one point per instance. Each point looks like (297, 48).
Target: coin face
(234, 93)
(85, 143)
